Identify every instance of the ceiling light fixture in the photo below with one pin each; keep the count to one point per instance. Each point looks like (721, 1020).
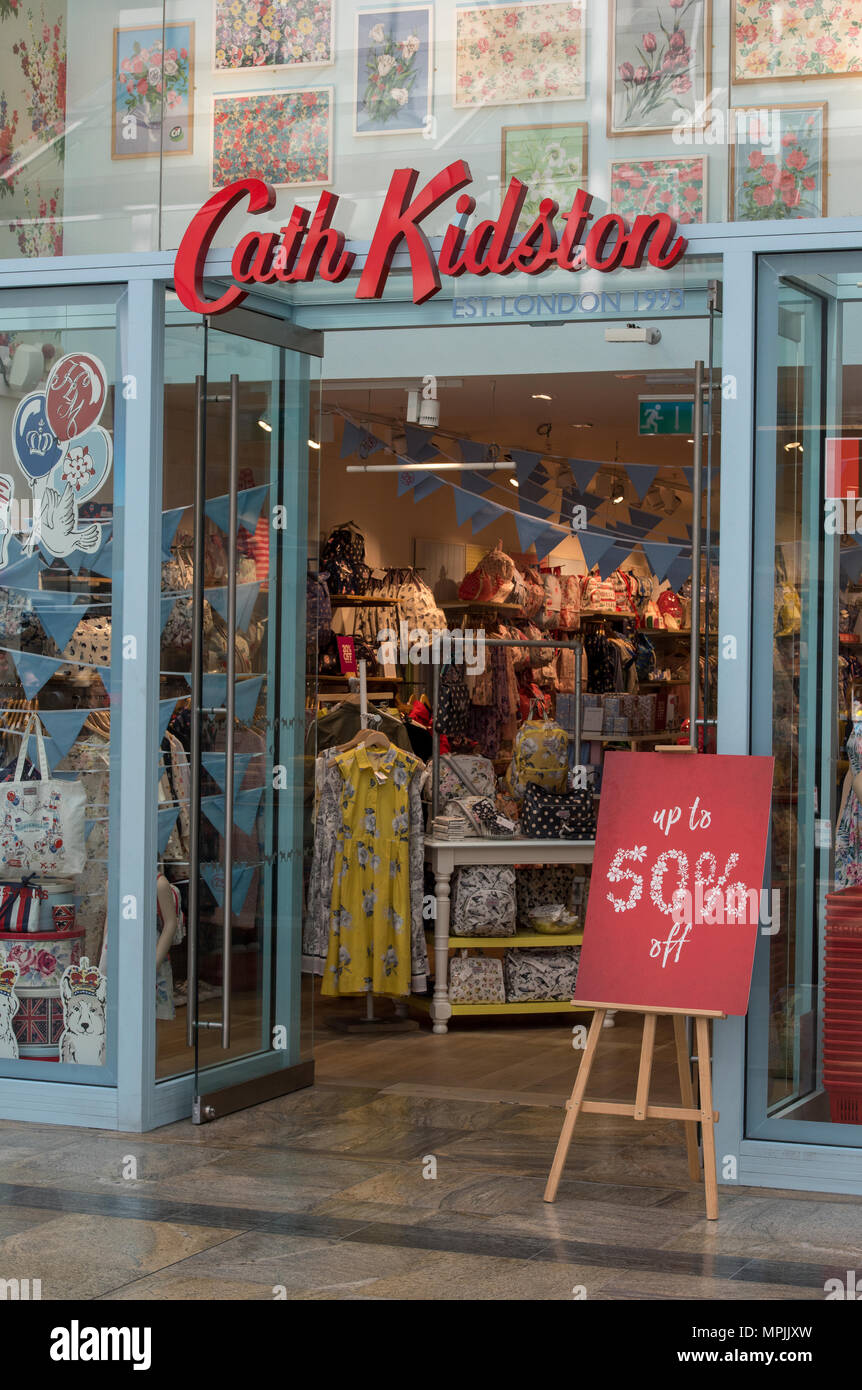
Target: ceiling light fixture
(541, 396)
(514, 482)
(313, 444)
(794, 444)
(265, 425)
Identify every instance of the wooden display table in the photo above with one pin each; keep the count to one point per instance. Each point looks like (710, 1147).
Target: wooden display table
(444, 856)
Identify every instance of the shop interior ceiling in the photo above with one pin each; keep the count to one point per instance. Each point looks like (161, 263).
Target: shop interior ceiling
(591, 415)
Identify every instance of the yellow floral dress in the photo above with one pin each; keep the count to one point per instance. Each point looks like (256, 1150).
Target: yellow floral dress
(370, 906)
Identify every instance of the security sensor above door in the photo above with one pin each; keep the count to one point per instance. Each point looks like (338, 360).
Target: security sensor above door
(632, 333)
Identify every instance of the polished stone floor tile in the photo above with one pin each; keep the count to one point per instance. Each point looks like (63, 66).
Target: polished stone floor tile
(465, 1278)
(777, 1228)
(96, 1162)
(635, 1284)
(579, 1218)
(84, 1256)
(373, 1138)
(298, 1265)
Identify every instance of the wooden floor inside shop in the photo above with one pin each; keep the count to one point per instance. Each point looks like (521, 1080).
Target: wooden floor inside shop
(527, 1060)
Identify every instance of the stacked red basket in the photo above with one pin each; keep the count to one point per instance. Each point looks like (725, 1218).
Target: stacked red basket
(842, 1013)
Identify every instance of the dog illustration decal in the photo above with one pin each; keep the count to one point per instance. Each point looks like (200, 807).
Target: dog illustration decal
(9, 1006)
(82, 990)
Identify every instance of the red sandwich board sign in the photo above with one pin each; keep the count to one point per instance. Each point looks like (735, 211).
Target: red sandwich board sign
(673, 910)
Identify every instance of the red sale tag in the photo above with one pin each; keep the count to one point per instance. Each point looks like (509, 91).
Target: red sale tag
(675, 889)
(347, 656)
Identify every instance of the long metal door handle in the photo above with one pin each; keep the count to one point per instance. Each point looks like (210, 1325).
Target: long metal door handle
(230, 706)
(697, 483)
(197, 696)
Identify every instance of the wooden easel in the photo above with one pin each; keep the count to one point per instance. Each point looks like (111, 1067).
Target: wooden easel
(689, 1112)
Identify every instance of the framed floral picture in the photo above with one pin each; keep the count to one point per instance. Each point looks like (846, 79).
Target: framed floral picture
(783, 176)
(394, 63)
(795, 40)
(282, 137)
(550, 159)
(659, 65)
(273, 34)
(675, 186)
(507, 54)
(153, 86)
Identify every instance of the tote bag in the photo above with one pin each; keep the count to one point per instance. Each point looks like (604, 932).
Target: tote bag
(41, 821)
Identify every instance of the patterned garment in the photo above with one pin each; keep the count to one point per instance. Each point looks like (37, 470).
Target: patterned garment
(90, 758)
(323, 921)
(848, 837)
(165, 1007)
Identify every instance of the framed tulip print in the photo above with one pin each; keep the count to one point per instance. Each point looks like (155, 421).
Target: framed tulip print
(550, 159)
(675, 186)
(394, 63)
(784, 176)
(152, 94)
(659, 65)
(273, 34)
(282, 137)
(512, 54)
(795, 40)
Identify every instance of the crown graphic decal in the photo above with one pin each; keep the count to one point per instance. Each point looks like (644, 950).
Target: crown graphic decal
(8, 976)
(84, 978)
(39, 442)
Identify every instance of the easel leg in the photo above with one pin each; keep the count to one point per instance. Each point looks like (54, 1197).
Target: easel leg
(645, 1068)
(710, 1177)
(686, 1090)
(573, 1105)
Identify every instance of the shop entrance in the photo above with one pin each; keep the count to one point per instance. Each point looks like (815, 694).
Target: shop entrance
(238, 402)
(573, 447)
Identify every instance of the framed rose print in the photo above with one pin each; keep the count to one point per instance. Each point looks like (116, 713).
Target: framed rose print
(282, 137)
(675, 186)
(550, 159)
(781, 177)
(273, 34)
(795, 40)
(153, 86)
(394, 63)
(509, 54)
(659, 65)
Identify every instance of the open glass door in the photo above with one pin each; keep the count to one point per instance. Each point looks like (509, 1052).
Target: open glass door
(235, 543)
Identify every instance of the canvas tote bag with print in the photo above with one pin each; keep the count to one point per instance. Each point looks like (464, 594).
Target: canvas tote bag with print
(41, 820)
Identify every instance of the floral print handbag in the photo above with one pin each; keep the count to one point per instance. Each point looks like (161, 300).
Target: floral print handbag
(540, 755)
(541, 973)
(483, 901)
(476, 980)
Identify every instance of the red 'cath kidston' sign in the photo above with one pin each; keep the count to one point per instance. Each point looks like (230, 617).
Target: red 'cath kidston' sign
(672, 917)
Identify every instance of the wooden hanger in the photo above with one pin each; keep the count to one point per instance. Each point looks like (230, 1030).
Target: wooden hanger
(371, 738)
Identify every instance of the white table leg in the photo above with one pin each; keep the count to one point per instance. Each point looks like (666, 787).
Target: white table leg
(441, 1009)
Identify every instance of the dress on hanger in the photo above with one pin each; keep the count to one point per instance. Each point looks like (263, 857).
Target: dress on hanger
(848, 837)
(164, 974)
(369, 851)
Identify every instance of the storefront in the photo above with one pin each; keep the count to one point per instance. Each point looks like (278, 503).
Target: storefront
(232, 445)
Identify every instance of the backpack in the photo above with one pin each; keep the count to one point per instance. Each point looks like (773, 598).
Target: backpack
(540, 755)
(342, 558)
(453, 703)
(417, 606)
(570, 602)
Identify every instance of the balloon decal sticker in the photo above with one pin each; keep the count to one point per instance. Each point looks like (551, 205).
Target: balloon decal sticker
(64, 453)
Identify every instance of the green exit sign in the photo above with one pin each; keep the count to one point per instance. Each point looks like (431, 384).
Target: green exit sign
(667, 416)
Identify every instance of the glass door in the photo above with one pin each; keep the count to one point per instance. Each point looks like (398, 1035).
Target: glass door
(239, 489)
(807, 681)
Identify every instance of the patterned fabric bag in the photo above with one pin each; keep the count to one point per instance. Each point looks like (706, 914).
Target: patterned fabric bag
(465, 774)
(318, 611)
(550, 815)
(342, 557)
(476, 980)
(453, 705)
(541, 973)
(598, 595)
(570, 602)
(42, 820)
(540, 755)
(483, 817)
(483, 901)
(534, 593)
(501, 569)
(417, 607)
(553, 598)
